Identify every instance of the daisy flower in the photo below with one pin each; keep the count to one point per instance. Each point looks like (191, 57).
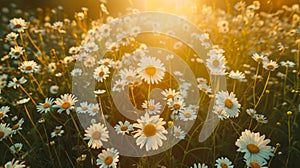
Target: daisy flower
(178, 132)
(251, 112)
(151, 70)
(260, 118)
(228, 102)
(123, 128)
(16, 82)
(106, 62)
(16, 52)
(76, 72)
(270, 65)
(54, 89)
(101, 73)
(259, 58)
(223, 162)
(29, 66)
(287, 63)
(16, 148)
(12, 36)
(169, 93)
(204, 88)
(256, 164)
(216, 64)
(187, 114)
(128, 75)
(15, 164)
(93, 109)
(108, 158)
(96, 134)
(84, 107)
(254, 146)
(199, 165)
(220, 112)
(18, 24)
(150, 132)
(46, 106)
(151, 107)
(66, 103)
(119, 85)
(17, 126)
(23, 101)
(58, 131)
(5, 130)
(236, 75)
(3, 111)
(177, 105)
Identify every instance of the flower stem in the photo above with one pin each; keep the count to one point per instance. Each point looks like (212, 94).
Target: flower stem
(254, 84)
(35, 127)
(24, 90)
(262, 93)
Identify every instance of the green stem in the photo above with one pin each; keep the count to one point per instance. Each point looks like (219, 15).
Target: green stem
(262, 93)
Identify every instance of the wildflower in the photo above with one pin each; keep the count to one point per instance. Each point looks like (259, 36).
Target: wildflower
(223, 26)
(251, 112)
(118, 85)
(176, 105)
(270, 65)
(228, 102)
(96, 134)
(105, 30)
(106, 62)
(128, 75)
(12, 36)
(254, 146)
(201, 80)
(23, 101)
(17, 127)
(151, 70)
(16, 148)
(260, 118)
(57, 132)
(169, 94)
(237, 75)
(123, 128)
(101, 73)
(3, 111)
(178, 132)
(216, 64)
(199, 165)
(287, 63)
(220, 112)
(223, 162)
(187, 114)
(259, 58)
(93, 109)
(204, 88)
(15, 164)
(108, 158)
(18, 24)
(16, 52)
(90, 47)
(76, 72)
(240, 6)
(54, 89)
(256, 164)
(150, 132)
(4, 131)
(66, 103)
(99, 92)
(29, 66)
(151, 107)
(84, 107)
(16, 82)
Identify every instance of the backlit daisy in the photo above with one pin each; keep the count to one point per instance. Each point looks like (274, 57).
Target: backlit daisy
(254, 146)
(176, 105)
(57, 132)
(228, 102)
(260, 118)
(223, 162)
(5, 130)
(16, 52)
(204, 88)
(17, 127)
(106, 62)
(251, 112)
(93, 109)
(187, 114)
(216, 64)
(18, 24)
(108, 158)
(169, 93)
(270, 65)
(101, 73)
(151, 70)
(199, 165)
(29, 66)
(66, 103)
(46, 106)
(3, 111)
(178, 132)
(236, 75)
(96, 134)
(150, 132)
(123, 128)
(83, 108)
(259, 58)
(151, 107)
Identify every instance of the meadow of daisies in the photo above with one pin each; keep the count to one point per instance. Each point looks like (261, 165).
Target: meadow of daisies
(207, 88)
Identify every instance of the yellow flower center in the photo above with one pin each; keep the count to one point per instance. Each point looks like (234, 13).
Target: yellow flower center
(106, 63)
(16, 126)
(28, 68)
(228, 103)
(259, 59)
(66, 105)
(223, 165)
(129, 78)
(1, 134)
(203, 89)
(150, 70)
(149, 130)
(124, 128)
(252, 148)
(270, 66)
(108, 160)
(187, 114)
(177, 133)
(101, 73)
(46, 105)
(17, 53)
(17, 26)
(84, 108)
(215, 63)
(96, 135)
(254, 165)
(170, 96)
(1, 114)
(151, 107)
(57, 131)
(176, 106)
